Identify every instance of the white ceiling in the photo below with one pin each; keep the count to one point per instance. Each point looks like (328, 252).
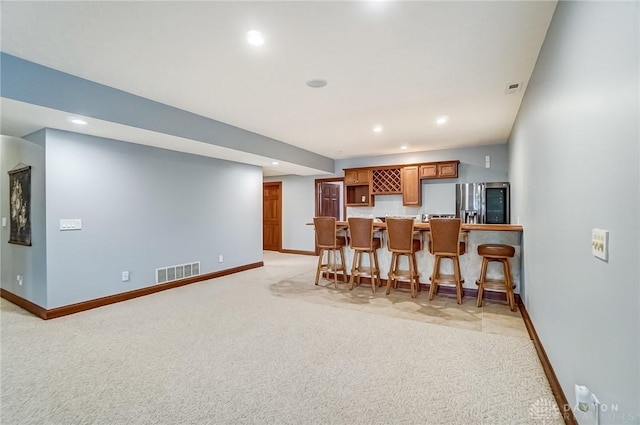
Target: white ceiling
(397, 64)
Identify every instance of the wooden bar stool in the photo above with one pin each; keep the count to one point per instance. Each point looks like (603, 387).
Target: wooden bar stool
(498, 253)
(361, 240)
(400, 242)
(328, 241)
(445, 243)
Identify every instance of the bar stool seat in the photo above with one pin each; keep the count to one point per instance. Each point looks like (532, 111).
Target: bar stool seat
(400, 242)
(328, 241)
(501, 254)
(362, 241)
(445, 244)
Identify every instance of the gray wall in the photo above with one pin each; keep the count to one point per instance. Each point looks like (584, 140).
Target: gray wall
(28, 261)
(574, 162)
(141, 208)
(298, 209)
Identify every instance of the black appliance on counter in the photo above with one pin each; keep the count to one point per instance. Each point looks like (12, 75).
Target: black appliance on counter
(483, 203)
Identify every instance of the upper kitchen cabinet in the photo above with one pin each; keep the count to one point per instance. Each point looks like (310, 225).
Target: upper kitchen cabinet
(357, 176)
(411, 187)
(357, 182)
(439, 170)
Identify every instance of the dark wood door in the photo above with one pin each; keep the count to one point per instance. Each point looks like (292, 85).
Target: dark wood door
(330, 200)
(272, 216)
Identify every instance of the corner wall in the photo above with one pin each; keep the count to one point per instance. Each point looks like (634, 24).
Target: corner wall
(298, 209)
(28, 261)
(141, 208)
(574, 160)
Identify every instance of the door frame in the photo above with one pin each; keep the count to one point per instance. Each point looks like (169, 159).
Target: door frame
(316, 187)
(317, 194)
(279, 185)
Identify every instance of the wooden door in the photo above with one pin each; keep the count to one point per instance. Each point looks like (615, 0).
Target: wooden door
(272, 216)
(330, 200)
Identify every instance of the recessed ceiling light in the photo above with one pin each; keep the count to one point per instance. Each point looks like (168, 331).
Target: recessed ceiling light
(442, 120)
(78, 121)
(316, 84)
(403, 147)
(377, 129)
(275, 163)
(255, 38)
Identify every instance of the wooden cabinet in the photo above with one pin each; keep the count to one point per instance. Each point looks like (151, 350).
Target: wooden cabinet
(411, 186)
(357, 176)
(448, 170)
(439, 170)
(357, 182)
(363, 184)
(428, 171)
(358, 196)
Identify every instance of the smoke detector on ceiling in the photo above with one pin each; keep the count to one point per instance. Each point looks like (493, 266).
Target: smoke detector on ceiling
(513, 87)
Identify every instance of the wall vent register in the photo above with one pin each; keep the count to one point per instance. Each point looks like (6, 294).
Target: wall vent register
(182, 271)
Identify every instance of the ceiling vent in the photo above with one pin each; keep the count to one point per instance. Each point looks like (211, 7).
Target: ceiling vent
(513, 87)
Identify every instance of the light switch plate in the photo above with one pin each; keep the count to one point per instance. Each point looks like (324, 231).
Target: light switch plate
(600, 244)
(70, 224)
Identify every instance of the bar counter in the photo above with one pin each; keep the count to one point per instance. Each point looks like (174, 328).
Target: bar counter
(467, 227)
(470, 262)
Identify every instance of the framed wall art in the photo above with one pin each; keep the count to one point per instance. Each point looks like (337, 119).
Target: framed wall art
(20, 205)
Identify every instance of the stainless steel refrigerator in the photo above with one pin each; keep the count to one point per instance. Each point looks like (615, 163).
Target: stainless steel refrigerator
(483, 202)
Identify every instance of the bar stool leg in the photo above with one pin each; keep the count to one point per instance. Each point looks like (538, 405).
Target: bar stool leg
(359, 276)
(373, 278)
(354, 269)
(332, 266)
(415, 263)
(480, 282)
(320, 255)
(412, 277)
(456, 272)
(392, 271)
(509, 284)
(344, 267)
(375, 259)
(396, 269)
(433, 288)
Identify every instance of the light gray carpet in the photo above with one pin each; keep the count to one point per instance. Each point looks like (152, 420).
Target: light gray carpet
(228, 351)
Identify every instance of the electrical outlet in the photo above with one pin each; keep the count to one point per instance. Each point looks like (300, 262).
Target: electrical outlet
(600, 243)
(220, 258)
(125, 276)
(19, 279)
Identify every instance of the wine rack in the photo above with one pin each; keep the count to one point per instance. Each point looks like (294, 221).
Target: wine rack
(386, 181)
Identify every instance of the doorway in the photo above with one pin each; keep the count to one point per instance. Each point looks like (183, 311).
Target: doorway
(272, 216)
(330, 198)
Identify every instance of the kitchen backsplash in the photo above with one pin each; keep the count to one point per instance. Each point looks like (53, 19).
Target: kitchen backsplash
(436, 199)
